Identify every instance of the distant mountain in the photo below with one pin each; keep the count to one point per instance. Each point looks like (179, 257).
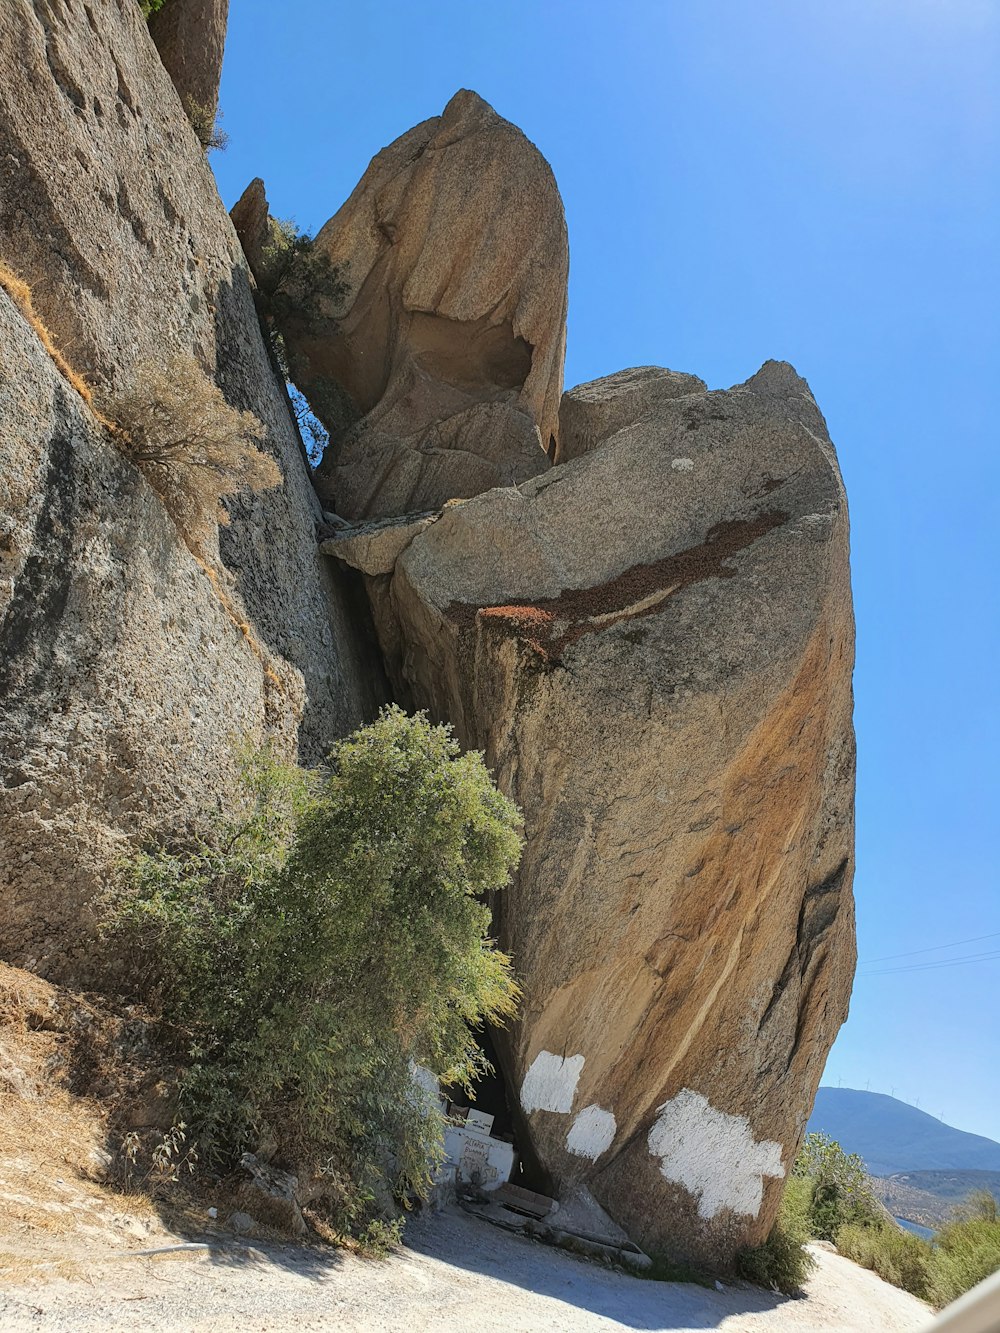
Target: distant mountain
(894, 1137)
(928, 1197)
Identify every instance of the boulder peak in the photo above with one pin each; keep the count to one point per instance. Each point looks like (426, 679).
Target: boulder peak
(426, 323)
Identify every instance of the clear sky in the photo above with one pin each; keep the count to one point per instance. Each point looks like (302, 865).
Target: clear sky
(799, 179)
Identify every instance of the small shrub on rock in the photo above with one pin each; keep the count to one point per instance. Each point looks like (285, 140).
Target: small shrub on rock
(191, 445)
(310, 952)
(205, 123)
(285, 241)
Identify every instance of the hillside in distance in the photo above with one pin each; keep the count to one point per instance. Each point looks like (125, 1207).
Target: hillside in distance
(893, 1137)
(930, 1197)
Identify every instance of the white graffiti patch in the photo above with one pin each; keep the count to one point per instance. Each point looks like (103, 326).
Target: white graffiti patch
(591, 1133)
(713, 1155)
(550, 1083)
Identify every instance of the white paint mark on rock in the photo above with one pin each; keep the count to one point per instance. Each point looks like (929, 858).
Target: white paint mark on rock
(682, 464)
(550, 1083)
(712, 1154)
(591, 1133)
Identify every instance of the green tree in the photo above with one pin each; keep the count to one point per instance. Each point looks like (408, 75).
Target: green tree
(312, 951)
(840, 1189)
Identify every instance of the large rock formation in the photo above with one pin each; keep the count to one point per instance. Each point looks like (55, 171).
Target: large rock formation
(190, 36)
(427, 322)
(590, 413)
(653, 645)
(127, 681)
(651, 640)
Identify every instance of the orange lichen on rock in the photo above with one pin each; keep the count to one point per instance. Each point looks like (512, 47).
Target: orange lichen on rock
(20, 293)
(636, 592)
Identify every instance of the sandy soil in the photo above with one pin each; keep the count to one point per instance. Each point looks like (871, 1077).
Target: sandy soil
(454, 1273)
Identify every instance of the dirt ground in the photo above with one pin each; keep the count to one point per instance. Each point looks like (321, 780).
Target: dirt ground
(78, 1252)
(454, 1273)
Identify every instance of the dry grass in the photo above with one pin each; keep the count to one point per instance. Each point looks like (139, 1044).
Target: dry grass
(190, 444)
(51, 1138)
(194, 449)
(256, 647)
(20, 293)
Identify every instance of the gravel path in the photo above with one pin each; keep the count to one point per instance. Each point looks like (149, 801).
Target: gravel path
(454, 1273)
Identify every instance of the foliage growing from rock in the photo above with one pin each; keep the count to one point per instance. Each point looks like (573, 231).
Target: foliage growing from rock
(308, 954)
(151, 7)
(191, 445)
(284, 241)
(204, 120)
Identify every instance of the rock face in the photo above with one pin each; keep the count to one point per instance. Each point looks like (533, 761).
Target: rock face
(590, 413)
(653, 645)
(190, 36)
(427, 323)
(251, 219)
(127, 680)
(651, 641)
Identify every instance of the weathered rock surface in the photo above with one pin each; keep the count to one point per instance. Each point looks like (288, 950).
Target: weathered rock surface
(374, 547)
(591, 413)
(653, 645)
(251, 219)
(427, 323)
(128, 681)
(190, 36)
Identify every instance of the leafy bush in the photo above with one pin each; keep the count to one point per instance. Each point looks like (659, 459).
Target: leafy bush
(151, 7)
(309, 953)
(284, 241)
(839, 1189)
(897, 1256)
(966, 1250)
(204, 120)
(783, 1263)
(192, 447)
(980, 1206)
(830, 1194)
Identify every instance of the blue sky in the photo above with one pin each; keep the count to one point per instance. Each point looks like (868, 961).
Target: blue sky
(786, 178)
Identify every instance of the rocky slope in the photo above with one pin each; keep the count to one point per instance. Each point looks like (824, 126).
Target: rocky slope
(126, 681)
(641, 611)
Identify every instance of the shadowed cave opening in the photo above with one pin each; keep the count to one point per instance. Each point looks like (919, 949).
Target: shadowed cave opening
(494, 1095)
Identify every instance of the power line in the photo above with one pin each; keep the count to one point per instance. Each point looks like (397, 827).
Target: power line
(934, 948)
(927, 967)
